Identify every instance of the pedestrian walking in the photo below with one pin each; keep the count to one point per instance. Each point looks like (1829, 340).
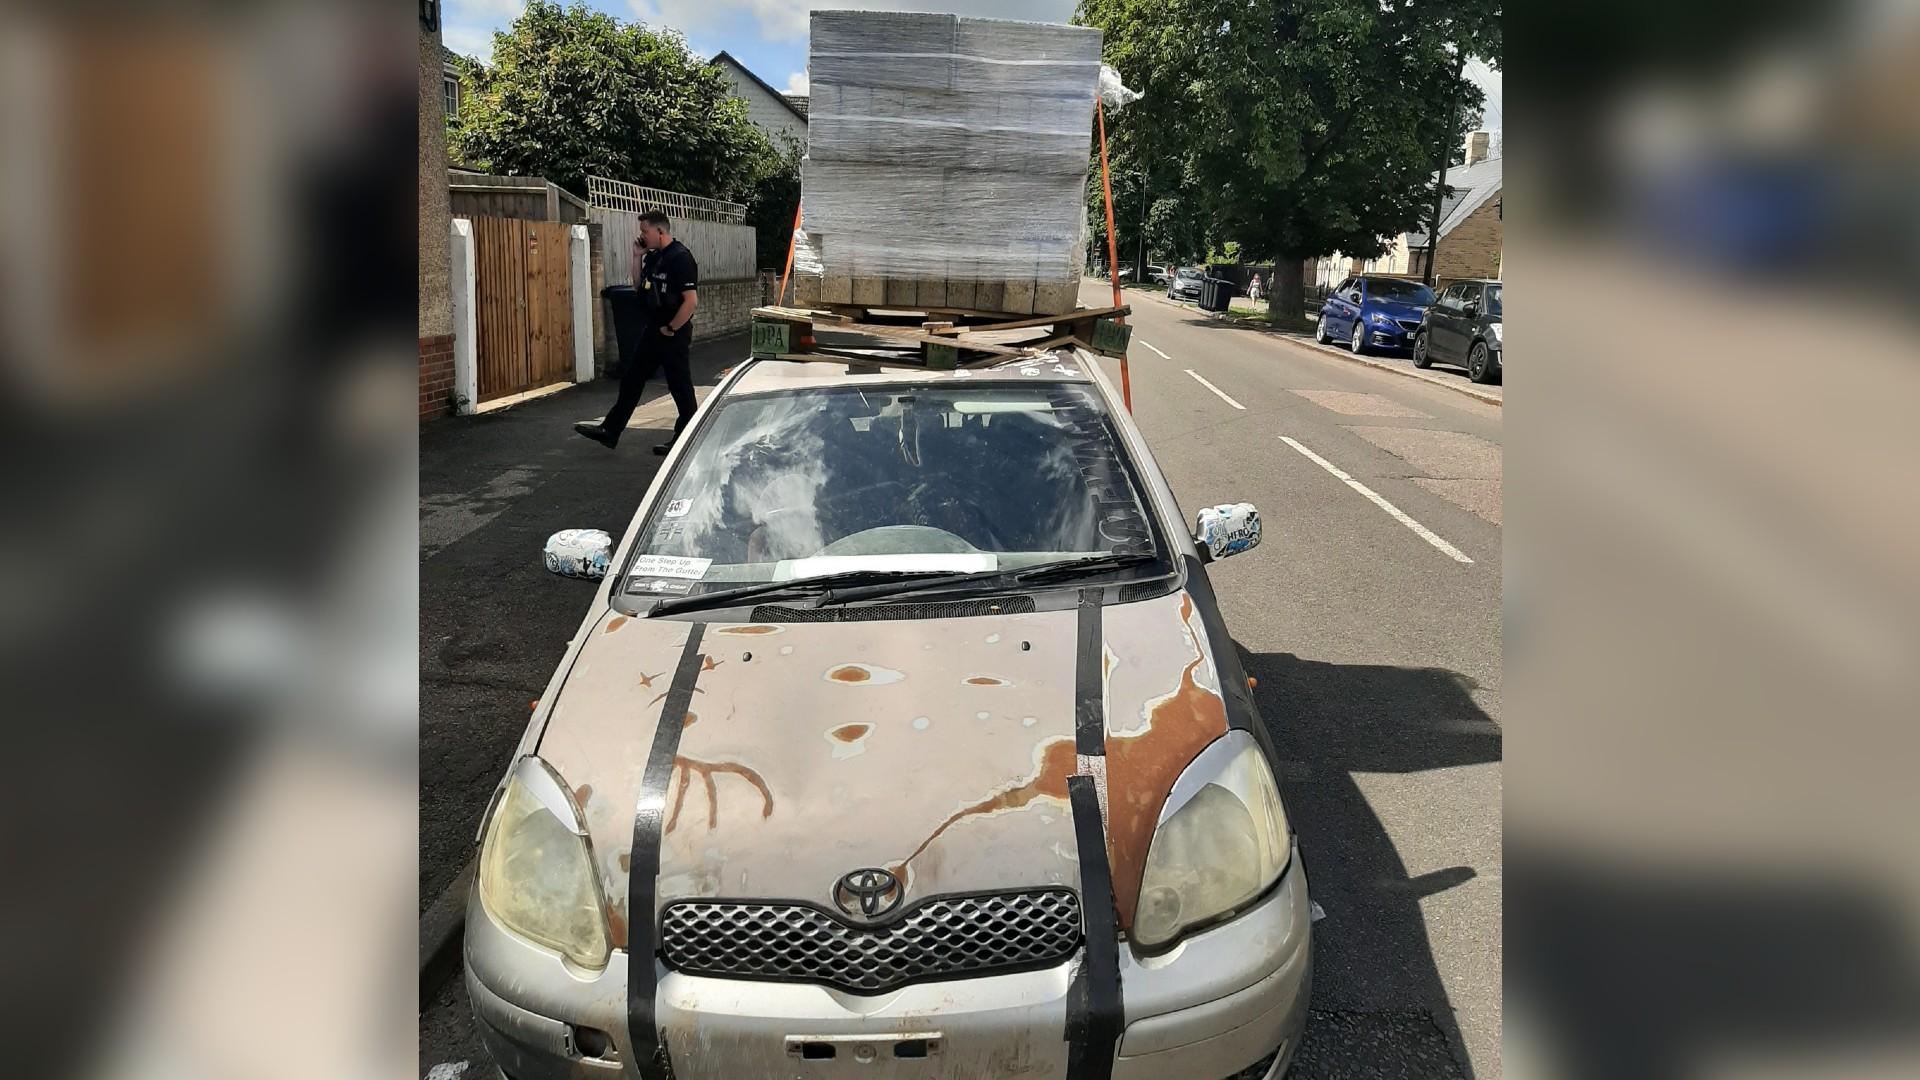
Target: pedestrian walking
(1253, 288)
(667, 278)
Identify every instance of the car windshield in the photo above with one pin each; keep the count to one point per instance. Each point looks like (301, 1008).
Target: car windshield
(955, 477)
(1186, 272)
(1405, 292)
(1493, 299)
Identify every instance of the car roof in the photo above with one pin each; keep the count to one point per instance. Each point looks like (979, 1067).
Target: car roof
(764, 376)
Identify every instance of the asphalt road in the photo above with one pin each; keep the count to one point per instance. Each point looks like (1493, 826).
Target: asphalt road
(1376, 650)
(1378, 659)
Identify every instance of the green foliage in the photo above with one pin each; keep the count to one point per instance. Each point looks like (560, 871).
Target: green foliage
(771, 205)
(573, 91)
(1298, 127)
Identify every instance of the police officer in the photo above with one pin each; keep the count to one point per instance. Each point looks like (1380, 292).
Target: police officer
(668, 281)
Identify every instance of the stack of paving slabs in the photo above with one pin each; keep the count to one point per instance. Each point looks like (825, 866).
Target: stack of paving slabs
(946, 163)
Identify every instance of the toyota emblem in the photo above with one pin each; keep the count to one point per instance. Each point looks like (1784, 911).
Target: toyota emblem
(869, 893)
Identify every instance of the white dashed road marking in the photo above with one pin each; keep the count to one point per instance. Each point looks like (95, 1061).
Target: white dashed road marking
(1163, 356)
(1203, 382)
(1424, 533)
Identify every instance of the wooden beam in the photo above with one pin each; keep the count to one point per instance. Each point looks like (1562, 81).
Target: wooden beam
(1042, 320)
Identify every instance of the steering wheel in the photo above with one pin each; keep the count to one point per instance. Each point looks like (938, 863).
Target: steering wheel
(899, 540)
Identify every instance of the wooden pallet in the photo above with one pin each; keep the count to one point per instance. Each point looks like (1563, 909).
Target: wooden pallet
(933, 338)
(1011, 298)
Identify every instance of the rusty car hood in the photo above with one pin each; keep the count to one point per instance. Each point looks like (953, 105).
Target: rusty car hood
(938, 749)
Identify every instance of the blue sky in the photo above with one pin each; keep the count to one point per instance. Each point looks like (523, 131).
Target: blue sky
(770, 36)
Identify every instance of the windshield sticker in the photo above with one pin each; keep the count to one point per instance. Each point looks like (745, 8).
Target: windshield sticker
(670, 566)
(665, 586)
(679, 507)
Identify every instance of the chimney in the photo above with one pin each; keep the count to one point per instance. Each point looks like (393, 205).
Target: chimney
(1479, 147)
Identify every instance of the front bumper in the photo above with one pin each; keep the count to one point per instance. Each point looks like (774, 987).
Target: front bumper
(1390, 337)
(1215, 1004)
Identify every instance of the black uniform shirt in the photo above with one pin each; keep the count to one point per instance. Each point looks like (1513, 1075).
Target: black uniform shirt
(666, 276)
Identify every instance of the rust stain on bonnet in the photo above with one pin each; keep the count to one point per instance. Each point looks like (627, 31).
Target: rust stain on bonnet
(582, 793)
(615, 623)
(687, 767)
(863, 675)
(1057, 761)
(851, 732)
(748, 630)
(986, 680)
(616, 926)
(1142, 767)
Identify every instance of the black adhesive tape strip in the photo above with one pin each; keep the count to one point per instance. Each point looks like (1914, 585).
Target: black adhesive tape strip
(649, 1052)
(1089, 681)
(1096, 1019)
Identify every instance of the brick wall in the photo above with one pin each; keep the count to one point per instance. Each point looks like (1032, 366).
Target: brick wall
(1472, 249)
(726, 307)
(436, 376)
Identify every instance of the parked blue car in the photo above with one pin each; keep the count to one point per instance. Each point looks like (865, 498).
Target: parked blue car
(1373, 312)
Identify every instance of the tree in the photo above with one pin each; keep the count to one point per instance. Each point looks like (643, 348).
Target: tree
(573, 91)
(1301, 127)
(772, 202)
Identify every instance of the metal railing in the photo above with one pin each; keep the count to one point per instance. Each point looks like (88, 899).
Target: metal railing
(620, 195)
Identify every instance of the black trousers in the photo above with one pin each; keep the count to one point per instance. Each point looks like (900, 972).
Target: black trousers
(672, 357)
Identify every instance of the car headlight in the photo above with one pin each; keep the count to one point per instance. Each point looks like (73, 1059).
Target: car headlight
(536, 868)
(1495, 328)
(1380, 318)
(1221, 842)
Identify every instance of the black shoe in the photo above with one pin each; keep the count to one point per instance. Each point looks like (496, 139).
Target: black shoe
(597, 434)
(660, 449)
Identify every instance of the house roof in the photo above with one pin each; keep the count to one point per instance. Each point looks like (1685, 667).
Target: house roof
(798, 101)
(1468, 189)
(799, 113)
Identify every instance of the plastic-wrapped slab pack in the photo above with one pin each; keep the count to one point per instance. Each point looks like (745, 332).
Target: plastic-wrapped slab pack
(946, 162)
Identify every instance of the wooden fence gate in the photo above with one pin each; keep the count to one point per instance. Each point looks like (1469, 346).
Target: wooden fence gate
(523, 294)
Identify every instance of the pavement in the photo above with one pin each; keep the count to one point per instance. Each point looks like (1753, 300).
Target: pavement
(493, 622)
(1373, 632)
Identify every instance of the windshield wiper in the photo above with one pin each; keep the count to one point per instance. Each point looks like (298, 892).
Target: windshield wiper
(1063, 569)
(807, 586)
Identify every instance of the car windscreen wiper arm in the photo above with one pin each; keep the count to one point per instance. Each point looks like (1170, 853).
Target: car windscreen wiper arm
(991, 581)
(806, 586)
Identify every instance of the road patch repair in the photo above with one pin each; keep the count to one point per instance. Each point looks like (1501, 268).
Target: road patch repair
(1349, 403)
(1375, 498)
(1463, 469)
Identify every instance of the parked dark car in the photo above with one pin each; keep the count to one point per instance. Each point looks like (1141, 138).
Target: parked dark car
(1373, 312)
(1463, 328)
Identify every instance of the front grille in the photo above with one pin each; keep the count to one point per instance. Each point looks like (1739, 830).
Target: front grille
(947, 609)
(941, 938)
(1409, 325)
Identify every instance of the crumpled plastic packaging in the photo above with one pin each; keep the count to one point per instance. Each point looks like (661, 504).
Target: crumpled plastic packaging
(1113, 93)
(579, 553)
(1228, 529)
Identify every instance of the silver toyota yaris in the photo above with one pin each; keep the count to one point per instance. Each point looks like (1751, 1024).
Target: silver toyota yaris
(903, 740)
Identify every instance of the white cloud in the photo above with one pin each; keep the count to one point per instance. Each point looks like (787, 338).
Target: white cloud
(796, 83)
(474, 41)
(484, 11)
(1491, 83)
